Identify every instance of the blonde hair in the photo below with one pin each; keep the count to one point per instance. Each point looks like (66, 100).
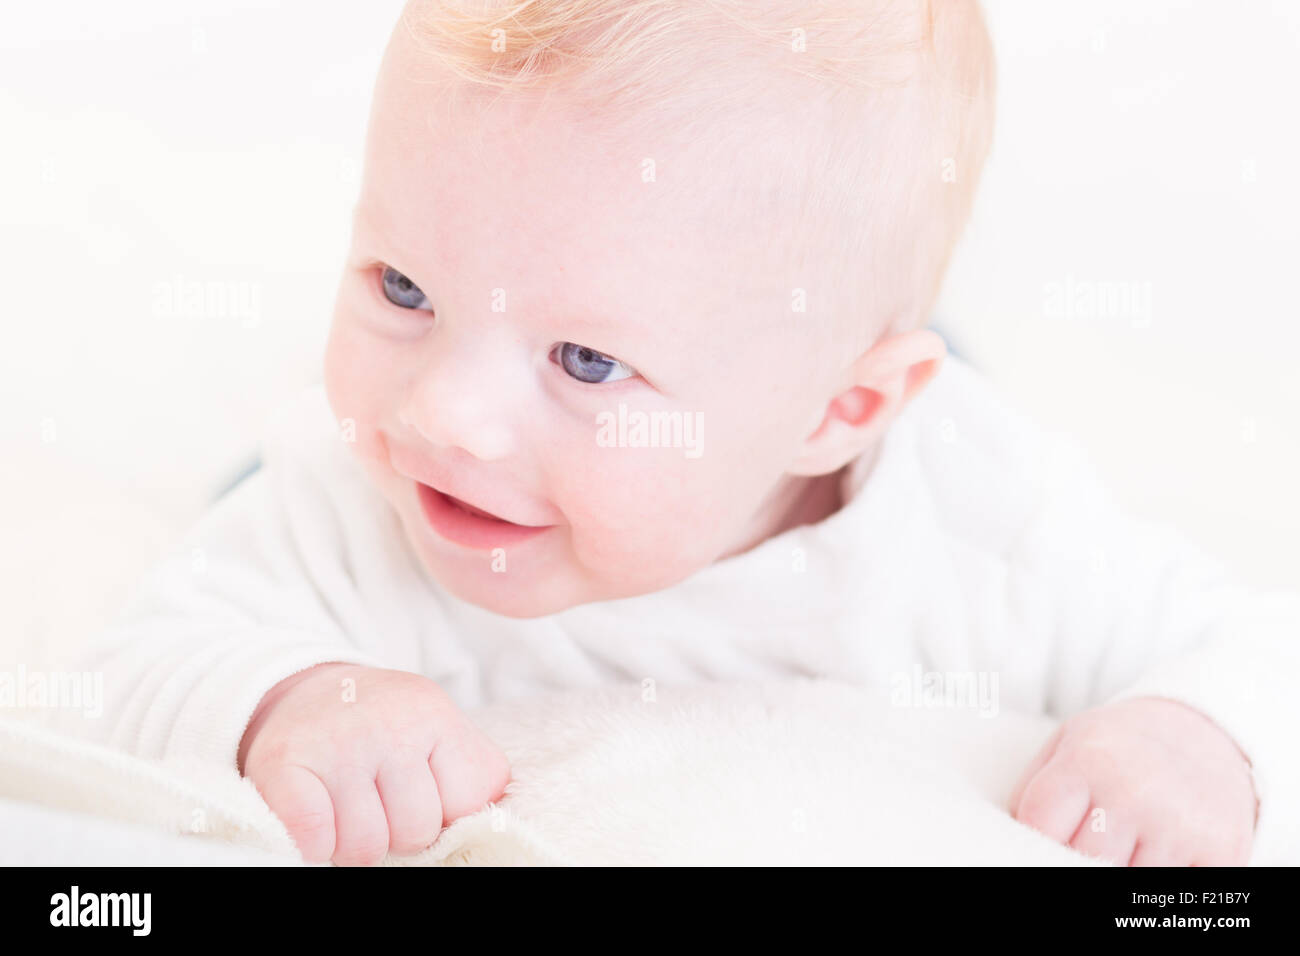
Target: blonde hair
(883, 148)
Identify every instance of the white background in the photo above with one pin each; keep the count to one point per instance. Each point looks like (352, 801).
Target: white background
(1142, 147)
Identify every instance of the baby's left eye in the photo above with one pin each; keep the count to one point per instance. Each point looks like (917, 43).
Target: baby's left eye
(588, 365)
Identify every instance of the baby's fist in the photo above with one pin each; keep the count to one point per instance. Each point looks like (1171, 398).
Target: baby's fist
(359, 762)
(1142, 782)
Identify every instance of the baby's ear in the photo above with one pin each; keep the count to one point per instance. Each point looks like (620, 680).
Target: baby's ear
(882, 381)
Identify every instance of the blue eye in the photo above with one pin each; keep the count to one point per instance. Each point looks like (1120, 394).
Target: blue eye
(588, 365)
(401, 291)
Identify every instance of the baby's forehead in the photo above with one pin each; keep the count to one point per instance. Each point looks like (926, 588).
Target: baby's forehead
(547, 177)
(734, 136)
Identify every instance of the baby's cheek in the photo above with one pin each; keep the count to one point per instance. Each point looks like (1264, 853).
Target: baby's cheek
(350, 381)
(641, 520)
(355, 410)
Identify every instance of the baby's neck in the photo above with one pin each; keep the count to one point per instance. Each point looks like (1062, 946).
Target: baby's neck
(816, 500)
(798, 501)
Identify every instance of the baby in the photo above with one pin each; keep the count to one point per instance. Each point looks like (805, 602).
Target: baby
(629, 379)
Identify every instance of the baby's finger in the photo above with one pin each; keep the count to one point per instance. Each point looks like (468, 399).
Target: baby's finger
(1215, 850)
(1151, 853)
(1054, 802)
(1044, 754)
(360, 826)
(410, 798)
(300, 799)
(1104, 837)
(470, 769)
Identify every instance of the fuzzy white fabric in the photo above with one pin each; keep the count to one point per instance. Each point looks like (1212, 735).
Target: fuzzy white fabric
(791, 772)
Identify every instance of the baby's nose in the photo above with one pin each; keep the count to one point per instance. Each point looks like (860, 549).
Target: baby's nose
(450, 412)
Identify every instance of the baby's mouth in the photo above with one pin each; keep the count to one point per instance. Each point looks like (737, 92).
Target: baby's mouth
(461, 523)
(471, 510)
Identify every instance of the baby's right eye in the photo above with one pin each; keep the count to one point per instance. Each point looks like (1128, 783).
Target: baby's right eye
(402, 292)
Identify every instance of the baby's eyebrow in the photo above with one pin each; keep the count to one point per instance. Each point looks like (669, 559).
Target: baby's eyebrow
(373, 235)
(366, 221)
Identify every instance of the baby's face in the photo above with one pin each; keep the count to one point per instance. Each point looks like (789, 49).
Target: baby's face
(525, 310)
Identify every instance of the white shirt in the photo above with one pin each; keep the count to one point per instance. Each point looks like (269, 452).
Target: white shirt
(976, 546)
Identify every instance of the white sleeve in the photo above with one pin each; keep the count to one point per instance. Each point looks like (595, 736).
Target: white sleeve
(1139, 611)
(261, 588)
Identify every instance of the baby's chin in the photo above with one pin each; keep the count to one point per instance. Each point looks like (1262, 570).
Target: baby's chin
(508, 602)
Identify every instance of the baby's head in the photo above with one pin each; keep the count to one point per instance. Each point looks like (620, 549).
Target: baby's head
(644, 277)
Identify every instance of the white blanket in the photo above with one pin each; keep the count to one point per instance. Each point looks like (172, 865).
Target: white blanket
(800, 772)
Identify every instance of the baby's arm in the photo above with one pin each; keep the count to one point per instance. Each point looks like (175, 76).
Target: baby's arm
(1188, 677)
(227, 614)
(218, 659)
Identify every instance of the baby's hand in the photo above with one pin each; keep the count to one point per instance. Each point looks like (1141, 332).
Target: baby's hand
(355, 775)
(1142, 782)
